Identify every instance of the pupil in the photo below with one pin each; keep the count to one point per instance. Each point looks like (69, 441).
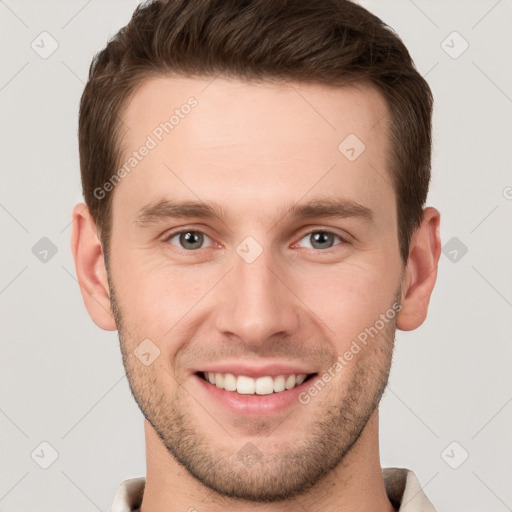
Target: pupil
(321, 238)
(191, 238)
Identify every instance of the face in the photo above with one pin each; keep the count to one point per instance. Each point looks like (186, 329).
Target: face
(262, 277)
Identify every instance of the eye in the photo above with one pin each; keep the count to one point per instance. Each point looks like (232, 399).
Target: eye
(188, 240)
(321, 239)
(192, 240)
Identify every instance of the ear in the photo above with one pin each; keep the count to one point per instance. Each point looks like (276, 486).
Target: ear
(90, 268)
(420, 272)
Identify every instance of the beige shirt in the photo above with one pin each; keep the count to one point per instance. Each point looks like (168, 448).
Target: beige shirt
(402, 487)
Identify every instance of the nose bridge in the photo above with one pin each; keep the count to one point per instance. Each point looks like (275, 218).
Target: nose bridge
(256, 305)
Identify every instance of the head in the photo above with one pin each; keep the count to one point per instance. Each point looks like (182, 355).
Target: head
(270, 126)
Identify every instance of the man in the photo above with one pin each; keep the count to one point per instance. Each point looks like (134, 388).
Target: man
(255, 175)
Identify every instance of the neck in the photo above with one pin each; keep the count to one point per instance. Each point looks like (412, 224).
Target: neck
(355, 484)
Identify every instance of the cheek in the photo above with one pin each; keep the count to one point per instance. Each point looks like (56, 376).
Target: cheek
(155, 298)
(347, 299)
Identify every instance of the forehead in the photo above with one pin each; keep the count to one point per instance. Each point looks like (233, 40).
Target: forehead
(210, 136)
(229, 104)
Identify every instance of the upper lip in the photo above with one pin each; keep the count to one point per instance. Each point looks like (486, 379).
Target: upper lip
(254, 372)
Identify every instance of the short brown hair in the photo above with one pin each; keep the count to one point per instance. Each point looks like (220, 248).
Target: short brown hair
(330, 42)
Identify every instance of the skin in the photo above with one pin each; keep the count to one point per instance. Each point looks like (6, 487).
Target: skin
(256, 149)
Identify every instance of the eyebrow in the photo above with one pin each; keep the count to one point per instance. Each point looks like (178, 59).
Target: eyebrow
(318, 208)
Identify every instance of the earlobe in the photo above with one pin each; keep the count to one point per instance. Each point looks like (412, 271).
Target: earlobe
(90, 268)
(421, 271)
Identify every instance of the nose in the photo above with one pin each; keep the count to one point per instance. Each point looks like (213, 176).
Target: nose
(256, 303)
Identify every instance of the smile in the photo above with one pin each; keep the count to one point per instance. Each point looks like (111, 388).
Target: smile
(245, 385)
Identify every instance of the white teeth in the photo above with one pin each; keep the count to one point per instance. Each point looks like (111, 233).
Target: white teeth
(264, 386)
(248, 386)
(219, 380)
(290, 382)
(300, 379)
(245, 385)
(229, 382)
(279, 383)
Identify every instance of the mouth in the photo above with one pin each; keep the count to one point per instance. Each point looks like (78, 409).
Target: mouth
(265, 385)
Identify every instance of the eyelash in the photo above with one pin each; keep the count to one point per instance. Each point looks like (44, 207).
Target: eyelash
(192, 252)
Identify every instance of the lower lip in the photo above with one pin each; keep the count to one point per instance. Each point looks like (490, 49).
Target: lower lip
(254, 404)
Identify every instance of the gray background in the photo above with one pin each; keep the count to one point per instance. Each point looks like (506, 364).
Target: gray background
(62, 379)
